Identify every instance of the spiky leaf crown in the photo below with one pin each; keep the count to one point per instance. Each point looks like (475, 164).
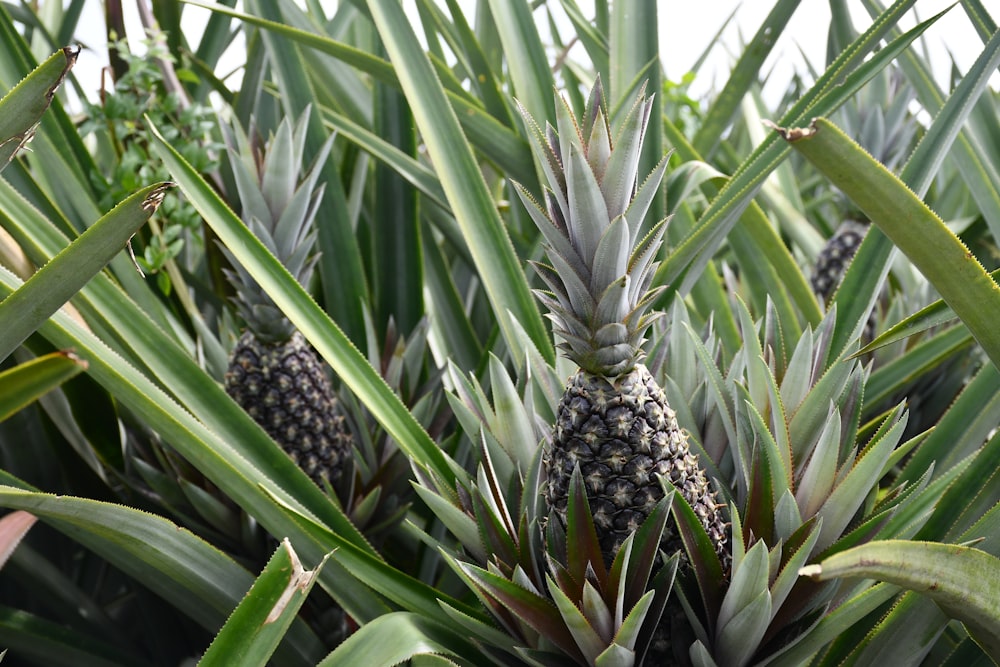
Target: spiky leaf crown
(279, 208)
(600, 272)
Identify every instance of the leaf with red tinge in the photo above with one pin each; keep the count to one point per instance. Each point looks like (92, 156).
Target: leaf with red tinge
(13, 528)
(701, 552)
(583, 550)
(538, 612)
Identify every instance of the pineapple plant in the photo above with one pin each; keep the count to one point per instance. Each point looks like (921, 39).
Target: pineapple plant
(273, 374)
(613, 421)
(883, 124)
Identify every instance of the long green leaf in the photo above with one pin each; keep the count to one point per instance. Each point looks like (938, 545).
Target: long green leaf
(526, 61)
(842, 79)
(24, 383)
(935, 314)
(744, 74)
(863, 275)
(121, 324)
(25, 635)
(916, 230)
(261, 620)
(59, 279)
(963, 581)
(974, 151)
(634, 49)
(395, 638)
(171, 561)
(23, 106)
(397, 262)
(474, 208)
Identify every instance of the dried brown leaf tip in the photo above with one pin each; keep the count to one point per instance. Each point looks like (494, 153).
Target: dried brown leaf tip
(71, 53)
(793, 133)
(155, 197)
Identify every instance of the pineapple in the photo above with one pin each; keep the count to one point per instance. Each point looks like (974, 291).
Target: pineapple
(613, 420)
(835, 256)
(273, 374)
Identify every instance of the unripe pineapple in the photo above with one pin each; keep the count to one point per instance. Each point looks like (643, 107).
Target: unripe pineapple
(835, 256)
(273, 373)
(613, 420)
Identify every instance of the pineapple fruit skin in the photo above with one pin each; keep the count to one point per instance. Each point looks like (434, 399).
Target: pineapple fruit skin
(284, 388)
(834, 258)
(622, 433)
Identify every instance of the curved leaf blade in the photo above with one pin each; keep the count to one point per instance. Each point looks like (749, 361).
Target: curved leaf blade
(53, 284)
(476, 212)
(962, 580)
(23, 106)
(260, 622)
(24, 383)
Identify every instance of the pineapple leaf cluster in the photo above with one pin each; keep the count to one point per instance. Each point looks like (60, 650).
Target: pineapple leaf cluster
(601, 269)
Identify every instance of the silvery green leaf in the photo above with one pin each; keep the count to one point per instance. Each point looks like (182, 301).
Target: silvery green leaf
(750, 578)
(756, 368)
(716, 384)
(700, 656)
(458, 523)
(613, 305)
(642, 264)
(817, 477)
(574, 285)
(611, 257)
(628, 632)
(798, 377)
(588, 212)
(739, 638)
(849, 494)
(596, 611)
(281, 167)
(808, 419)
(551, 162)
(567, 133)
(786, 515)
(300, 208)
(554, 236)
(620, 181)
(598, 146)
(789, 574)
(586, 638)
(737, 549)
(511, 423)
(615, 655)
(645, 194)
(244, 171)
(777, 474)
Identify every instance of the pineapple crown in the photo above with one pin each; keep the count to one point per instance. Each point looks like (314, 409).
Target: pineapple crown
(279, 207)
(600, 272)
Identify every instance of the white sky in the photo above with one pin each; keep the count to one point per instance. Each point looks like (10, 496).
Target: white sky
(686, 28)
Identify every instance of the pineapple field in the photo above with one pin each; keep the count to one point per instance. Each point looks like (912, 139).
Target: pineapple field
(480, 333)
